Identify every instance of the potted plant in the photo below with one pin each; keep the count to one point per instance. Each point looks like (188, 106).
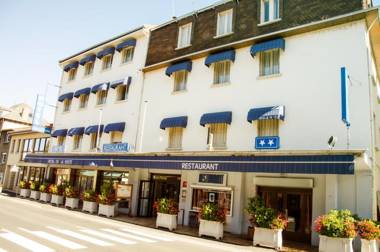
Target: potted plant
(89, 201)
(24, 188)
(45, 195)
(106, 200)
(336, 231)
(369, 233)
(212, 218)
(167, 210)
(35, 192)
(57, 192)
(72, 199)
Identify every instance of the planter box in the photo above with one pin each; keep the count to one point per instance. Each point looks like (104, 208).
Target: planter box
(211, 228)
(45, 197)
(35, 195)
(72, 203)
(330, 244)
(268, 237)
(167, 221)
(89, 206)
(57, 199)
(25, 193)
(369, 246)
(107, 210)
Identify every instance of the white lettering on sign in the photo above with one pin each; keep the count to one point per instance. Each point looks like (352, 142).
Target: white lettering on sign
(200, 166)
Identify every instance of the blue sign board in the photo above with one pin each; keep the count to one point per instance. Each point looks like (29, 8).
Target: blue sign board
(267, 142)
(119, 147)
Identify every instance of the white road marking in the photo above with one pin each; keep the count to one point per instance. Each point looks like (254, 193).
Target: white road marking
(24, 242)
(55, 239)
(81, 237)
(107, 236)
(123, 234)
(133, 231)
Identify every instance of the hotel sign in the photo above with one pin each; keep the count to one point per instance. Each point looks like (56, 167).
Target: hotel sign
(119, 147)
(267, 142)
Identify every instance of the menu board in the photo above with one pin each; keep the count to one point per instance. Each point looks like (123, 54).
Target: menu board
(124, 191)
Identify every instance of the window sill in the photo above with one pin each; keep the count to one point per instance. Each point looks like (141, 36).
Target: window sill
(126, 63)
(263, 77)
(217, 148)
(216, 85)
(179, 92)
(223, 35)
(269, 22)
(99, 105)
(182, 47)
(121, 101)
(106, 70)
(174, 149)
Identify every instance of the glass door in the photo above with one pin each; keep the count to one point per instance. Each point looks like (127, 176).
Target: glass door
(144, 203)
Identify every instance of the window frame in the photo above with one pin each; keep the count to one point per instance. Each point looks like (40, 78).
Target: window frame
(228, 13)
(269, 11)
(107, 62)
(112, 137)
(94, 141)
(268, 125)
(88, 68)
(180, 83)
(175, 135)
(273, 56)
(212, 135)
(181, 34)
(77, 142)
(222, 72)
(100, 99)
(67, 105)
(125, 57)
(83, 101)
(71, 74)
(119, 96)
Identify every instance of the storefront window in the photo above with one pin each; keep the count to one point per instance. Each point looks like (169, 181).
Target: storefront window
(84, 180)
(204, 195)
(22, 173)
(36, 174)
(61, 175)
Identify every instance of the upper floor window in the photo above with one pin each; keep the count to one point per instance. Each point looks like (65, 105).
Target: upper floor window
(13, 146)
(101, 97)
(184, 35)
(175, 138)
(77, 142)
(270, 62)
(127, 54)
(61, 140)
(224, 25)
(72, 73)
(217, 135)
(41, 145)
(116, 137)
(83, 100)
(268, 127)
(17, 148)
(66, 105)
(180, 80)
(5, 137)
(94, 141)
(222, 72)
(107, 62)
(88, 68)
(3, 158)
(122, 92)
(270, 10)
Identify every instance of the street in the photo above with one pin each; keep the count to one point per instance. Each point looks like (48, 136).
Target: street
(31, 226)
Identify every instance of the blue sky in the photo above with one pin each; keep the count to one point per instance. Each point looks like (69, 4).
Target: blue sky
(34, 35)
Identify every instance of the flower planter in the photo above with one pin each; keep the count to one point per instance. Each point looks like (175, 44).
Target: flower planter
(211, 228)
(25, 193)
(56, 199)
(45, 197)
(369, 246)
(89, 206)
(107, 210)
(330, 244)
(35, 195)
(267, 237)
(72, 203)
(167, 221)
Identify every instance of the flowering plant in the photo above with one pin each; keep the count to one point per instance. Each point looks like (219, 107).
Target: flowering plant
(57, 189)
(280, 222)
(337, 223)
(24, 184)
(212, 212)
(44, 188)
(166, 206)
(34, 186)
(368, 230)
(89, 195)
(70, 192)
(107, 194)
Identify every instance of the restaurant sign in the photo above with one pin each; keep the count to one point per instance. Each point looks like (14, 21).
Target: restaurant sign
(119, 147)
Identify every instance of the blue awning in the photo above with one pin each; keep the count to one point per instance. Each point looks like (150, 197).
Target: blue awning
(105, 52)
(83, 91)
(127, 43)
(89, 58)
(93, 129)
(66, 96)
(70, 66)
(180, 121)
(268, 45)
(75, 131)
(126, 81)
(100, 86)
(276, 112)
(114, 127)
(220, 117)
(61, 132)
(216, 57)
(187, 65)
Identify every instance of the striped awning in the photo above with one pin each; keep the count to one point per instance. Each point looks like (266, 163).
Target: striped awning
(125, 81)
(83, 91)
(186, 65)
(221, 56)
(75, 131)
(89, 58)
(275, 112)
(180, 121)
(105, 52)
(100, 86)
(268, 45)
(70, 66)
(125, 44)
(220, 117)
(63, 97)
(93, 129)
(60, 132)
(114, 127)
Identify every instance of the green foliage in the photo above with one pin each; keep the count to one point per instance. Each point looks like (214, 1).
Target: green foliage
(57, 189)
(107, 194)
(24, 184)
(166, 206)
(337, 223)
(44, 188)
(34, 186)
(70, 192)
(89, 195)
(212, 212)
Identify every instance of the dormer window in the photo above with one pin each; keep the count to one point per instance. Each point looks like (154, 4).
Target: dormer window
(224, 25)
(270, 10)
(184, 35)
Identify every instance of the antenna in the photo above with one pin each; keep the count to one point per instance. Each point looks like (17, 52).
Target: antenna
(173, 9)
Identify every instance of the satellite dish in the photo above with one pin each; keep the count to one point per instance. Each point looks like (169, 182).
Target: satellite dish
(332, 141)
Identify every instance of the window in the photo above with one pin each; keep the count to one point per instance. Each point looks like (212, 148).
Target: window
(27, 147)
(270, 10)
(13, 146)
(107, 62)
(17, 148)
(41, 145)
(77, 141)
(203, 195)
(66, 105)
(83, 101)
(88, 68)
(267, 127)
(36, 174)
(102, 97)
(3, 158)
(94, 141)
(224, 25)
(21, 143)
(222, 72)
(175, 138)
(5, 137)
(217, 135)
(122, 92)
(180, 80)
(116, 137)
(61, 140)
(127, 54)
(184, 35)
(72, 73)
(270, 62)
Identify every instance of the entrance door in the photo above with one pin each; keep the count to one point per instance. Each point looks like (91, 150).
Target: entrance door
(294, 203)
(145, 203)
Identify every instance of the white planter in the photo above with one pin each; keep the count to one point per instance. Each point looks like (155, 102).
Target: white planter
(330, 244)
(167, 221)
(268, 237)
(107, 210)
(211, 228)
(25, 193)
(72, 203)
(45, 197)
(369, 246)
(57, 199)
(89, 206)
(35, 195)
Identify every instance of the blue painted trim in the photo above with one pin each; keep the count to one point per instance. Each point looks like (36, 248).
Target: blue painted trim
(83, 91)
(344, 96)
(114, 127)
(93, 129)
(66, 96)
(127, 43)
(180, 121)
(89, 58)
(187, 65)
(267, 146)
(97, 87)
(221, 56)
(219, 117)
(60, 132)
(71, 66)
(268, 45)
(105, 52)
